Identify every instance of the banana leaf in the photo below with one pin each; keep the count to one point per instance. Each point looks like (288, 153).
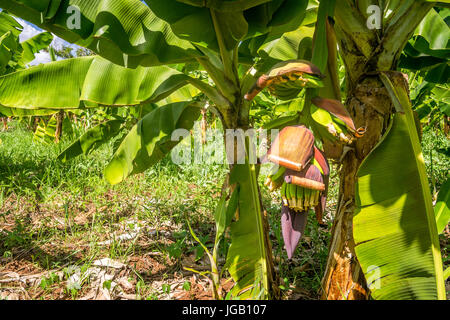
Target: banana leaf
(394, 227)
(92, 139)
(150, 140)
(125, 32)
(429, 48)
(441, 208)
(133, 33)
(88, 82)
(46, 131)
(33, 46)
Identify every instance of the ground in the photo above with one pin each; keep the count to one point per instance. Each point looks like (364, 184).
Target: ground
(65, 233)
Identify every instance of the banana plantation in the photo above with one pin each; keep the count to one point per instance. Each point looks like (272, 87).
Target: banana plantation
(224, 150)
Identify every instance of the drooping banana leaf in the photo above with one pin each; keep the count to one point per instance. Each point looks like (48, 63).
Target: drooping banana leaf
(8, 23)
(150, 140)
(89, 82)
(13, 112)
(9, 39)
(394, 226)
(15, 55)
(33, 46)
(292, 45)
(196, 24)
(92, 139)
(275, 17)
(133, 33)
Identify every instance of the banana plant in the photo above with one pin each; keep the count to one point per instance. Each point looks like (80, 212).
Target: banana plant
(138, 46)
(374, 229)
(245, 47)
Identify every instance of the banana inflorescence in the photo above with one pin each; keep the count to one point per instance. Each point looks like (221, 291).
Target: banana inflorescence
(302, 188)
(302, 171)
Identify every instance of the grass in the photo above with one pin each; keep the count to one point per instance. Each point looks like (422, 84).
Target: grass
(58, 220)
(54, 214)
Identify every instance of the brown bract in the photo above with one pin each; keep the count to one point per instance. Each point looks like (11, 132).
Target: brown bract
(293, 148)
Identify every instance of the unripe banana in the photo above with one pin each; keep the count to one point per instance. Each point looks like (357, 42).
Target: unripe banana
(292, 194)
(306, 200)
(300, 192)
(283, 193)
(288, 194)
(312, 199)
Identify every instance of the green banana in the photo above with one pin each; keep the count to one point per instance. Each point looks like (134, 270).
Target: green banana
(306, 199)
(316, 198)
(300, 193)
(283, 193)
(292, 195)
(312, 199)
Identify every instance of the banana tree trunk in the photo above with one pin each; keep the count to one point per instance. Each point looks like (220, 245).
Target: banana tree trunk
(370, 106)
(365, 53)
(250, 260)
(59, 125)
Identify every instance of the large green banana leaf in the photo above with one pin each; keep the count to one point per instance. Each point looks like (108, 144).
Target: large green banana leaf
(125, 32)
(198, 22)
(89, 81)
(394, 226)
(150, 140)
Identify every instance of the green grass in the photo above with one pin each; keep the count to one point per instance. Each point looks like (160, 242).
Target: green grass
(56, 213)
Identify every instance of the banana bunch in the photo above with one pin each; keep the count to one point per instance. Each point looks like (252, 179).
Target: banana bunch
(288, 86)
(287, 79)
(275, 179)
(299, 198)
(332, 118)
(302, 172)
